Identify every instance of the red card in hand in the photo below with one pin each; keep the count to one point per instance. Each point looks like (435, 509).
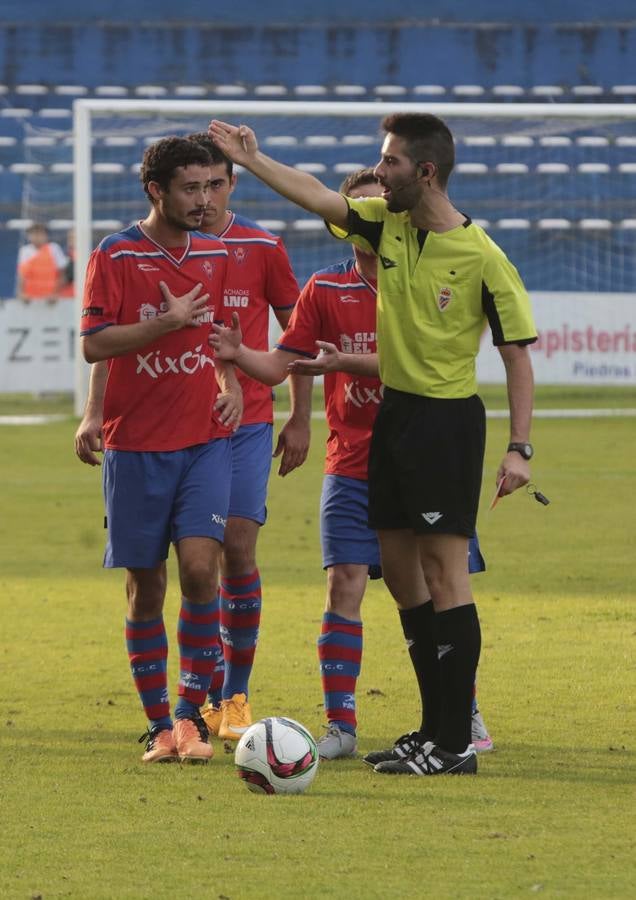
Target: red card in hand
(497, 497)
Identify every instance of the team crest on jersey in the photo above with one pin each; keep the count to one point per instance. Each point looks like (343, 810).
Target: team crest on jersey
(147, 311)
(444, 298)
(239, 254)
(208, 268)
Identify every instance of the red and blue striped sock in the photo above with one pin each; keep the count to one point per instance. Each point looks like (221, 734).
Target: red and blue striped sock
(340, 655)
(147, 645)
(198, 625)
(240, 617)
(215, 691)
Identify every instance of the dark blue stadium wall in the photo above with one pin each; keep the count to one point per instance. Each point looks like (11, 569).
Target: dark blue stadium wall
(487, 43)
(438, 54)
(301, 11)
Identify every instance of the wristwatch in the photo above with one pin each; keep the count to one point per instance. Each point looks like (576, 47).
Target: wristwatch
(525, 449)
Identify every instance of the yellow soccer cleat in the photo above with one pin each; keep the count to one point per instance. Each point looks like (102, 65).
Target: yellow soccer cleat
(212, 716)
(236, 718)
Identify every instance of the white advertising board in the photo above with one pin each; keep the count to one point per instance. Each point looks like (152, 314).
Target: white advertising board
(583, 339)
(36, 346)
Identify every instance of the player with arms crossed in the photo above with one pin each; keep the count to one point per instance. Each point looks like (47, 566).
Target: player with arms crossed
(259, 277)
(151, 293)
(440, 280)
(337, 311)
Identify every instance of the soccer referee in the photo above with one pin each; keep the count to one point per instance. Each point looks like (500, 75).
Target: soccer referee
(441, 280)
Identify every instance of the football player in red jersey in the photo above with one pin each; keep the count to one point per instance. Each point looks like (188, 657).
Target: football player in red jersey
(151, 294)
(259, 278)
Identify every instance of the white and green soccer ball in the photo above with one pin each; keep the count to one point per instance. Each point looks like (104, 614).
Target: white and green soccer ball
(277, 755)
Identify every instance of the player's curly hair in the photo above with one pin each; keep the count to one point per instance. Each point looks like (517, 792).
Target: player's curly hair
(165, 156)
(357, 179)
(218, 157)
(427, 139)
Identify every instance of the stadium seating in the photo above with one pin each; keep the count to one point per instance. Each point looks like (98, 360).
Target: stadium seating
(577, 63)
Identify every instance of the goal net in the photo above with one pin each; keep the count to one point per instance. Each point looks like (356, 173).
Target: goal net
(555, 185)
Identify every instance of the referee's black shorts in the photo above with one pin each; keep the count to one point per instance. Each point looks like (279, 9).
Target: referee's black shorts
(425, 463)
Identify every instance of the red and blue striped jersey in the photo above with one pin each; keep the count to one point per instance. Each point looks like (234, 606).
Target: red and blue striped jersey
(338, 305)
(259, 276)
(160, 396)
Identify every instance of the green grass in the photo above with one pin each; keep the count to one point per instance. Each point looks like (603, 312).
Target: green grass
(551, 811)
(494, 396)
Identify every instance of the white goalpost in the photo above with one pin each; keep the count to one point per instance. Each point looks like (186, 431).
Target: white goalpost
(555, 185)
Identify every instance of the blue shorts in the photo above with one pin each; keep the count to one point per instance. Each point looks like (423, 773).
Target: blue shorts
(155, 498)
(345, 534)
(251, 462)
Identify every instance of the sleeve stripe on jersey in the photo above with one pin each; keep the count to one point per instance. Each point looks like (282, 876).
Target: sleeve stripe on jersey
(489, 307)
(207, 253)
(349, 285)
(294, 350)
(245, 240)
(370, 231)
(95, 329)
(154, 254)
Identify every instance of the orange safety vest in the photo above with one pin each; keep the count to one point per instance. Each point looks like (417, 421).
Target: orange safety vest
(39, 274)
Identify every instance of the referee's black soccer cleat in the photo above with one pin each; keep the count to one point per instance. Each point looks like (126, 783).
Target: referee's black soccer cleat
(403, 747)
(431, 760)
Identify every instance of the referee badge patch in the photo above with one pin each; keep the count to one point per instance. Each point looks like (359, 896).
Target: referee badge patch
(444, 298)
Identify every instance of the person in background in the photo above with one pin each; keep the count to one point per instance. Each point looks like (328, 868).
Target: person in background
(41, 266)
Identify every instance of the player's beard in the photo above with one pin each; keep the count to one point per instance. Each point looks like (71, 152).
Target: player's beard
(188, 224)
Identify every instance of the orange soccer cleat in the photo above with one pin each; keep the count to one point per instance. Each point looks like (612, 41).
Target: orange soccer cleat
(160, 746)
(191, 738)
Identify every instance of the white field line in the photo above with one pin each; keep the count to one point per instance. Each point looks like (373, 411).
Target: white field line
(32, 420)
(319, 414)
(538, 413)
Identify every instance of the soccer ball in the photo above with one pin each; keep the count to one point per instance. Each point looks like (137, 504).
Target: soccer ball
(276, 756)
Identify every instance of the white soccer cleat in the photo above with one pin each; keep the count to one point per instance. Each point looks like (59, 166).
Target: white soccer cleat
(336, 743)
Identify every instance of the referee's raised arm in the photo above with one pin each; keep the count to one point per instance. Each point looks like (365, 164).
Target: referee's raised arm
(240, 145)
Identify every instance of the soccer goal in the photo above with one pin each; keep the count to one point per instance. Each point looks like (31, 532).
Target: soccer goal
(555, 185)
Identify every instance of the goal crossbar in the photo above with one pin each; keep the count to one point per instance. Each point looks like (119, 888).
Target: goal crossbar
(241, 110)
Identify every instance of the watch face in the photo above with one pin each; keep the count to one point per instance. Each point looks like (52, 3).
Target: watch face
(524, 449)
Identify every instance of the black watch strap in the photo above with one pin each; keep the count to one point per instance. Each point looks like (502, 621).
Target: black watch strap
(525, 449)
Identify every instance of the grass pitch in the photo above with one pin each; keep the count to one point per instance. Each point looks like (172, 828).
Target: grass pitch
(551, 812)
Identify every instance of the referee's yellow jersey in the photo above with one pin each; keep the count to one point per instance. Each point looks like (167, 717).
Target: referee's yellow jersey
(436, 292)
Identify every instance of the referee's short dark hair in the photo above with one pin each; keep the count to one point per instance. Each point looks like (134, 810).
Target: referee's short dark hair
(165, 156)
(357, 179)
(427, 138)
